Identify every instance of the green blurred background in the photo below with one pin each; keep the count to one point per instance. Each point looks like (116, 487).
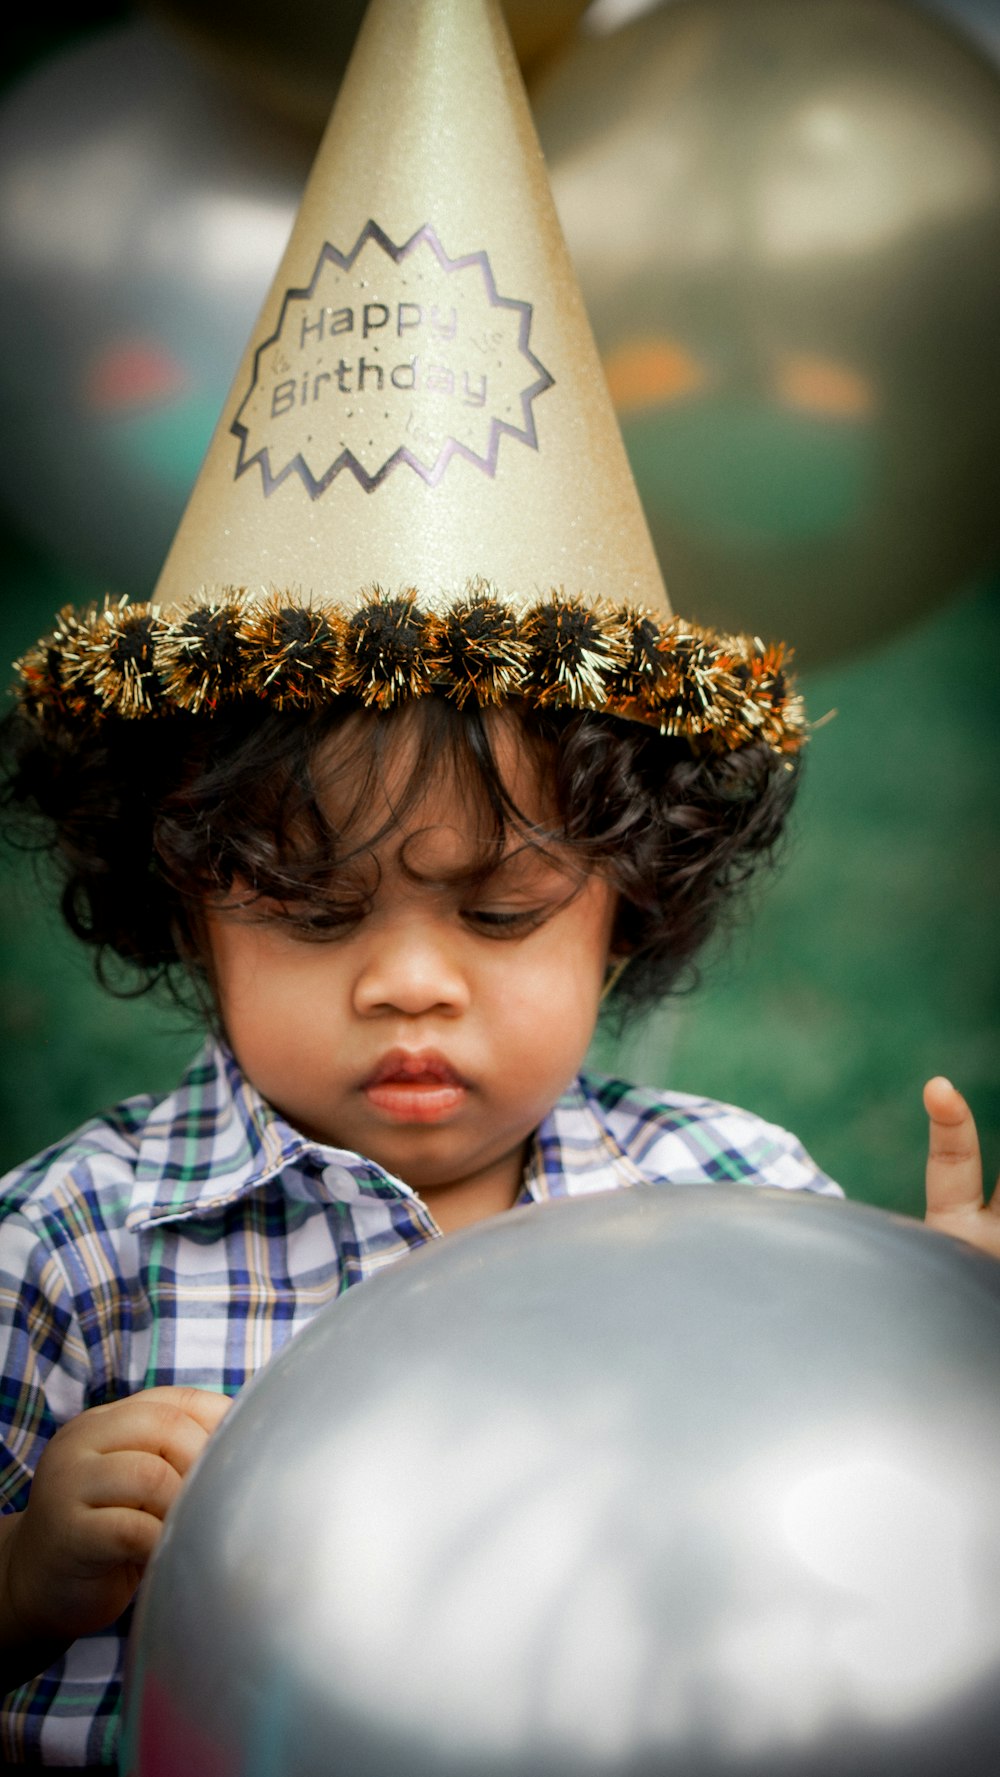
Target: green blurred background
(869, 962)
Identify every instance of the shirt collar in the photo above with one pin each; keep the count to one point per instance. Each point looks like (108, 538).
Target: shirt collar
(574, 1152)
(215, 1139)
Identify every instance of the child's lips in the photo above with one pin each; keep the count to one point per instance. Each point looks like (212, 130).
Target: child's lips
(415, 1087)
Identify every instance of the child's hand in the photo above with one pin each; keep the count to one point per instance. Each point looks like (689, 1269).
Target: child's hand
(955, 1200)
(74, 1557)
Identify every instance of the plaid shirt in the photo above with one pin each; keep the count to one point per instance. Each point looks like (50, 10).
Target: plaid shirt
(185, 1241)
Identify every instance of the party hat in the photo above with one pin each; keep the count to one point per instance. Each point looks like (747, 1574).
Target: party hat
(417, 483)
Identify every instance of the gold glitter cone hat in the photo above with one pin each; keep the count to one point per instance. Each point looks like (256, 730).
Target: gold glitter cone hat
(417, 483)
(421, 402)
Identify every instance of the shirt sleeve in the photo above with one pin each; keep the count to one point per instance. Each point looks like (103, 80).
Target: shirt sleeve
(677, 1138)
(43, 1362)
(778, 1159)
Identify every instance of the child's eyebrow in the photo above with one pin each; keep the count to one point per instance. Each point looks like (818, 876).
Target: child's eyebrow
(532, 871)
(536, 860)
(524, 865)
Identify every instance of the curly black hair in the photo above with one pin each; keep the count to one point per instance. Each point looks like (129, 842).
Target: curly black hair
(147, 821)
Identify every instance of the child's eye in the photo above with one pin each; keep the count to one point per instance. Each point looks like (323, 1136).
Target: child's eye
(506, 922)
(307, 926)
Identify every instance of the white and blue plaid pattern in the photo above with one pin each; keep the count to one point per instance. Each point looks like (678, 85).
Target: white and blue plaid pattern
(185, 1241)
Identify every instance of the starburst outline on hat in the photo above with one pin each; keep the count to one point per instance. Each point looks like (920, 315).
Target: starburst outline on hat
(526, 433)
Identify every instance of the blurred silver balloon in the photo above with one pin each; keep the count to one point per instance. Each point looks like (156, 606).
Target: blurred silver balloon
(786, 221)
(979, 20)
(142, 214)
(698, 1480)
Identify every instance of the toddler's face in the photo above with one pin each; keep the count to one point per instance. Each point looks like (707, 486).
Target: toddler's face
(435, 1031)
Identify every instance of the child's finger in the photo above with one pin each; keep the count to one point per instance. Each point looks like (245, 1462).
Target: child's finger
(203, 1405)
(161, 1421)
(954, 1167)
(120, 1534)
(135, 1479)
(111, 1536)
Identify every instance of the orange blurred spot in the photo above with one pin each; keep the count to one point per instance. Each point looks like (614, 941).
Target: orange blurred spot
(651, 372)
(818, 385)
(133, 374)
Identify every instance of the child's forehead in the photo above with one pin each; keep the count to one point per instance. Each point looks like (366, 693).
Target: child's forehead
(393, 779)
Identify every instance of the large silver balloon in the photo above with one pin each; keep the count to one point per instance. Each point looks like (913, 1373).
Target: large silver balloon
(142, 214)
(979, 20)
(786, 221)
(699, 1481)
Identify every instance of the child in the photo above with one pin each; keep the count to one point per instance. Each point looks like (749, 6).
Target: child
(398, 848)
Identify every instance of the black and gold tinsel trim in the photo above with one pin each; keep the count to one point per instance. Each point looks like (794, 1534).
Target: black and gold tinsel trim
(201, 658)
(388, 650)
(131, 660)
(293, 653)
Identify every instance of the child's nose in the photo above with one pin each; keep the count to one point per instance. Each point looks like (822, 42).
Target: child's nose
(413, 969)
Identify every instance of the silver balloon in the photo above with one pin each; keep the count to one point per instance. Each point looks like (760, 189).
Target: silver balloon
(786, 222)
(978, 20)
(695, 1480)
(142, 214)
